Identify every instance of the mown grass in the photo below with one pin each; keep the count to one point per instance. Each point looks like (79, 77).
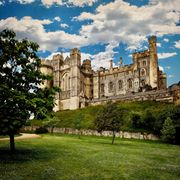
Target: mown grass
(68, 157)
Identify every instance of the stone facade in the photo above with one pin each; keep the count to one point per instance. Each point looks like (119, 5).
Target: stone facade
(80, 85)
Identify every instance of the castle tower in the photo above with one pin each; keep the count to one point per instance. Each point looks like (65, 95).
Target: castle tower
(153, 62)
(75, 63)
(88, 81)
(111, 64)
(57, 62)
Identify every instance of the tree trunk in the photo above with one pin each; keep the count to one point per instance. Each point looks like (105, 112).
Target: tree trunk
(52, 129)
(12, 144)
(114, 134)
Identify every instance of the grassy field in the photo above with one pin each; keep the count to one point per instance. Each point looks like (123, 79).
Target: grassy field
(68, 157)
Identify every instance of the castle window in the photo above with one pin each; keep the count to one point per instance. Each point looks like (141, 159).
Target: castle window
(139, 64)
(111, 87)
(102, 89)
(120, 84)
(129, 83)
(144, 63)
(143, 83)
(143, 72)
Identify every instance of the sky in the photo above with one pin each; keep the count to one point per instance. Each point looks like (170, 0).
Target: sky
(101, 29)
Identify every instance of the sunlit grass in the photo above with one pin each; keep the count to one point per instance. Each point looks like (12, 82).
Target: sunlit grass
(68, 157)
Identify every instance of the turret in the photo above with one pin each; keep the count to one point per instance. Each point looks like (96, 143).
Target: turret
(75, 57)
(111, 64)
(153, 62)
(120, 62)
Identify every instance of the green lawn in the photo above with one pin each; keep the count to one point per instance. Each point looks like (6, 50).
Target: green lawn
(68, 157)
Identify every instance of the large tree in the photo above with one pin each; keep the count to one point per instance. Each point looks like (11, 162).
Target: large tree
(109, 118)
(20, 81)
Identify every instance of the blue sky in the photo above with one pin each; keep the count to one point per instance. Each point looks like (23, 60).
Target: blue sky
(101, 29)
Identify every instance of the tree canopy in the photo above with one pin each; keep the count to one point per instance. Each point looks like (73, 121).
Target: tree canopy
(21, 95)
(109, 118)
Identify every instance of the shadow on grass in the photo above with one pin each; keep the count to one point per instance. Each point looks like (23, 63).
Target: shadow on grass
(26, 154)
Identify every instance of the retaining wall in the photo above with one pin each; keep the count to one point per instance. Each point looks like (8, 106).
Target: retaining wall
(121, 134)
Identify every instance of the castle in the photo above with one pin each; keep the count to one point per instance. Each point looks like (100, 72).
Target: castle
(80, 85)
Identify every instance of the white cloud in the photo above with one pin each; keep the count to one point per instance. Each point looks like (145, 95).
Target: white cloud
(130, 24)
(1, 2)
(23, 1)
(57, 18)
(64, 25)
(161, 68)
(166, 40)
(166, 55)
(101, 59)
(79, 3)
(158, 44)
(170, 76)
(168, 67)
(33, 29)
(177, 44)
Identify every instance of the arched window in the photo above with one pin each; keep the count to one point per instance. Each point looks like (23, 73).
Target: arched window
(143, 72)
(102, 89)
(65, 82)
(144, 63)
(120, 84)
(111, 87)
(129, 83)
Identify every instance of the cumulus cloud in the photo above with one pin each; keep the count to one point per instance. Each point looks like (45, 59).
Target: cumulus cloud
(101, 59)
(170, 76)
(166, 40)
(23, 1)
(57, 18)
(161, 68)
(1, 2)
(177, 44)
(158, 44)
(64, 25)
(33, 29)
(166, 55)
(79, 3)
(130, 24)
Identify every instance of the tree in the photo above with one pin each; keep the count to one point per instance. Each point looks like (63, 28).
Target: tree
(20, 81)
(51, 121)
(109, 118)
(168, 131)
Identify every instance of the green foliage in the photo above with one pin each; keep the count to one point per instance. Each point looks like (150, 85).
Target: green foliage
(136, 120)
(41, 130)
(20, 79)
(168, 131)
(110, 118)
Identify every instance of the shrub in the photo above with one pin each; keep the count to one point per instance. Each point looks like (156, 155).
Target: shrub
(41, 130)
(136, 121)
(168, 131)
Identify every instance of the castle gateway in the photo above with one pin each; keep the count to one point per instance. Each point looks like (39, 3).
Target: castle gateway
(80, 85)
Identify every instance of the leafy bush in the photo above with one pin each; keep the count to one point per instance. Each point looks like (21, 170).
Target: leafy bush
(168, 131)
(41, 130)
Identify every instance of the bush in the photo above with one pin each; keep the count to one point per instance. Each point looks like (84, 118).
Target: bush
(136, 121)
(168, 131)
(41, 130)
